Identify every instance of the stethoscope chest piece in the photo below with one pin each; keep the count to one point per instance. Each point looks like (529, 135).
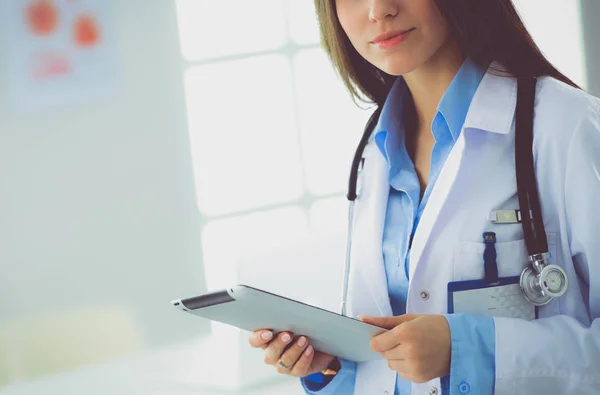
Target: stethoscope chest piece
(540, 283)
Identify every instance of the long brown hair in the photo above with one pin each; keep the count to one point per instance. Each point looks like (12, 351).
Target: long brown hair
(486, 31)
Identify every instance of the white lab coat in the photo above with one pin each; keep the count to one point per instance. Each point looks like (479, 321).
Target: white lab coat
(556, 354)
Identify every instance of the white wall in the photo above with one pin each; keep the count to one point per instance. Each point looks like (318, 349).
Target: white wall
(556, 27)
(97, 203)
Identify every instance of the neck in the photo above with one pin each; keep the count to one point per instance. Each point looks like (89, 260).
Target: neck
(428, 83)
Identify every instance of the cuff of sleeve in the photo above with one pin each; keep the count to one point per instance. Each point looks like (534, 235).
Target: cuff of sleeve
(347, 371)
(473, 361)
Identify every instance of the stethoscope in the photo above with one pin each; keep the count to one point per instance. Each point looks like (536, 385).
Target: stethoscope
(540, 282)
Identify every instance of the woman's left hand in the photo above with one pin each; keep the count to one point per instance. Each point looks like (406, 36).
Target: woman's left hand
(418, 347)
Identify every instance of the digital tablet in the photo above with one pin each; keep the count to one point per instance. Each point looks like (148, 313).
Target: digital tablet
(253, 309)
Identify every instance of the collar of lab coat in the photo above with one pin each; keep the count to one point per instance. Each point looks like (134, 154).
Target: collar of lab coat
(493, 106)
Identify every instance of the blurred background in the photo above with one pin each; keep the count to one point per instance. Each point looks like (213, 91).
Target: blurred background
(153, 150)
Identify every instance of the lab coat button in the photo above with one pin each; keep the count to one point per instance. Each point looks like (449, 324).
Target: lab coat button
(425, 294)
(386, 393)
(433, 391)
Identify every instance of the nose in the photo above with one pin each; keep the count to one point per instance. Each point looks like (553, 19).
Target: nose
(381, 9)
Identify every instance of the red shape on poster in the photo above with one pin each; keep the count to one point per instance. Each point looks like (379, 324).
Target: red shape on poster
(42, 17)
(86, 31)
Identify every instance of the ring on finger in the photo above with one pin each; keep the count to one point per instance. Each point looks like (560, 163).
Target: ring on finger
(283, 365)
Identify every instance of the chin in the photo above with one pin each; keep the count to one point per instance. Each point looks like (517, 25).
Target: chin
(397, 67)
(395, 63)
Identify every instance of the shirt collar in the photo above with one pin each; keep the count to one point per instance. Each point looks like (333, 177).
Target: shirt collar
(453, 107)
(389, 131)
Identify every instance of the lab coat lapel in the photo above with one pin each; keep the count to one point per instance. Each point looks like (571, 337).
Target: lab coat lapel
(368, 285)
(436, 202)
(491, 110)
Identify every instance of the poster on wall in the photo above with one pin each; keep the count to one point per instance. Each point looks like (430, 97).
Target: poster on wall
(61, 52)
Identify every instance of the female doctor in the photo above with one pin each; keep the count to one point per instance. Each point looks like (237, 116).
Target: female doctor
(440, 161)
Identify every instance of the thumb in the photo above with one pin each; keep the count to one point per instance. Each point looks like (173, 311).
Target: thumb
(387, 322)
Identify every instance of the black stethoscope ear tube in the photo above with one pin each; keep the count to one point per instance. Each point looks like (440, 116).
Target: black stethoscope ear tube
(529, 201)
(353, 181)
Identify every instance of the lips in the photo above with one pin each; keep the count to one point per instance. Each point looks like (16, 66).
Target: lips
(390, 35)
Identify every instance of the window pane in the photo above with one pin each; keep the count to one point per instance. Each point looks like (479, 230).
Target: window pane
(328, 225)
(331, 123)
(210, 29)
(276, 251)
(304, 25)
(243, 134)
(230, 242)
(233, 244)
(329, 215)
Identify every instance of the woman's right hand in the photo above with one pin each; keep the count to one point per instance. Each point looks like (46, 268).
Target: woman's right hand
(298, 359)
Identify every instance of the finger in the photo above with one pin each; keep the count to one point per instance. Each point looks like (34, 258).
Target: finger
(291, 355)
(388, 322)
(387, 340)
(260, 339)
(398, 353)
(303, 365)
(276, 348)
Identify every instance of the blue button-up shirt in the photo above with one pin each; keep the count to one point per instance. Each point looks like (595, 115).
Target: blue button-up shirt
(473, 338)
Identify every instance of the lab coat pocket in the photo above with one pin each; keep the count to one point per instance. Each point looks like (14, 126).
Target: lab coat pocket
(511, 257)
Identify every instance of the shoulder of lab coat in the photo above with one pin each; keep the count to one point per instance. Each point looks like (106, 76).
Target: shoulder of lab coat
(561, 354)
